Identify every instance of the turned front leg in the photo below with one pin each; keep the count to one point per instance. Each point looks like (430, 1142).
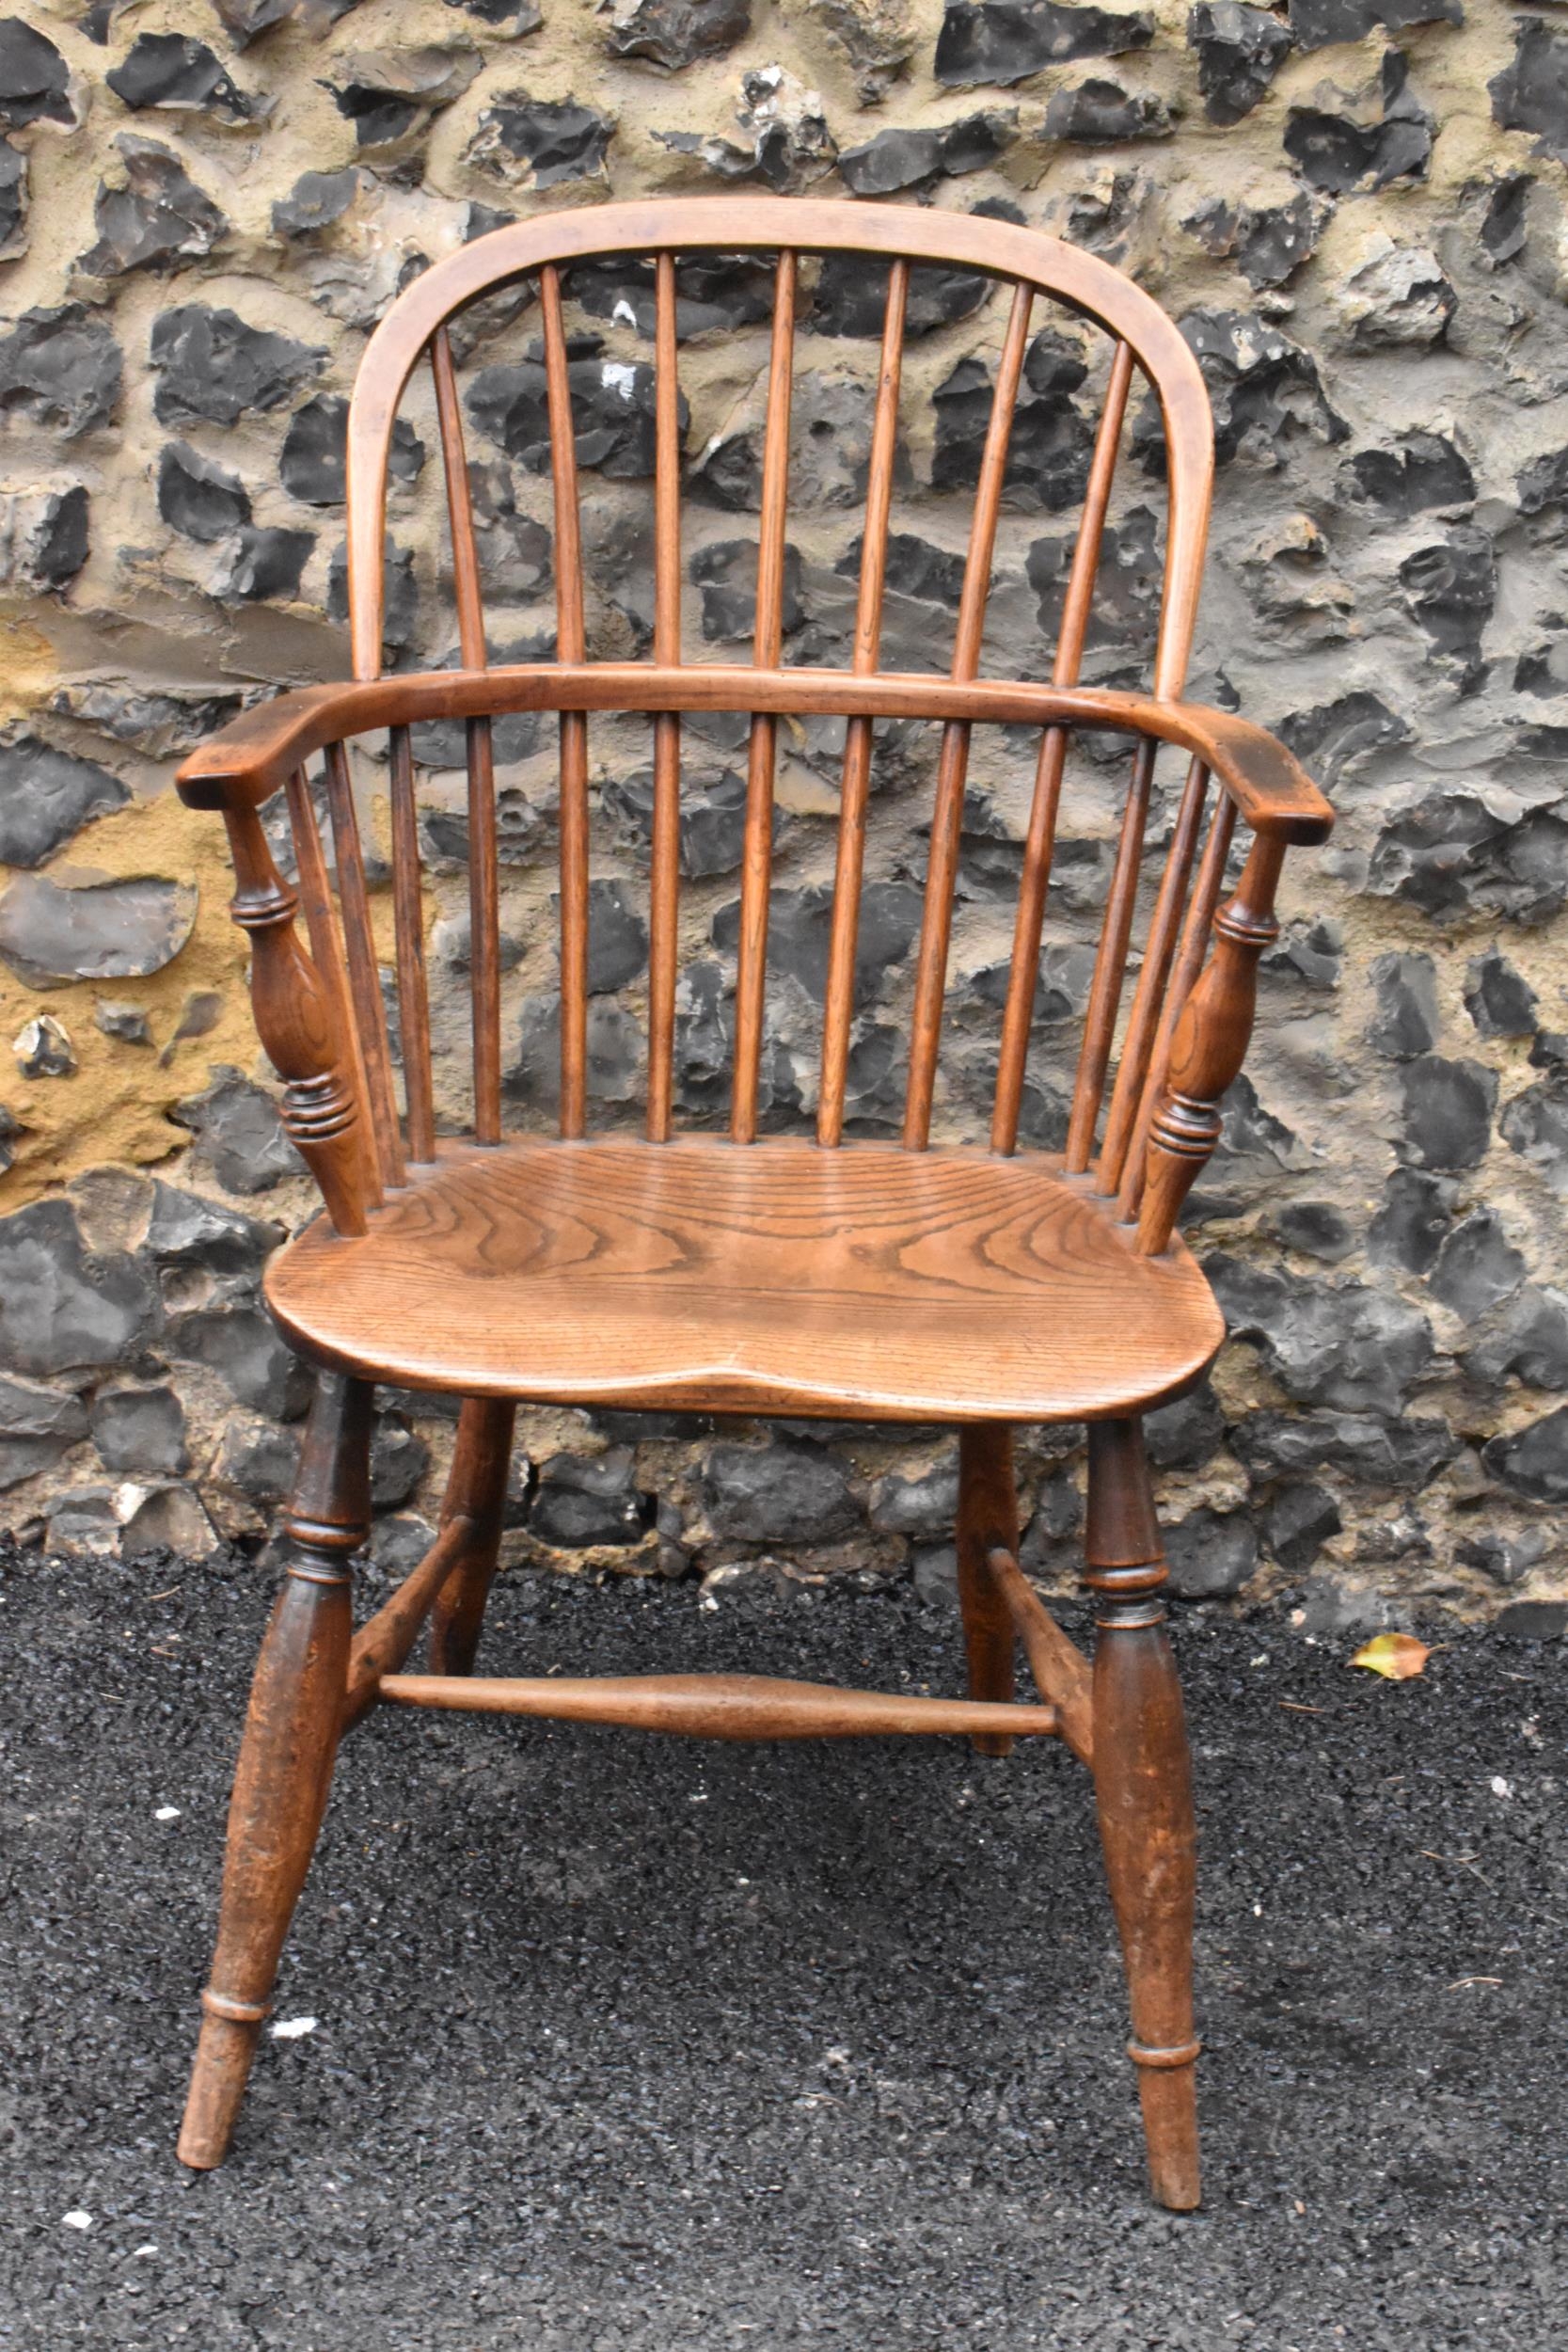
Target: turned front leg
(286, 1758)
(987, 1516)
(1143, 1793)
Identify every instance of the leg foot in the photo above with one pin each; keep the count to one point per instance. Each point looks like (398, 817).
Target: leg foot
(286, 1758)
(1143, 1791)
(476, 1488)
(988, 1515)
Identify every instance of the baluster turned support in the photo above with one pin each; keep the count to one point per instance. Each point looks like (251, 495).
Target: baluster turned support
(294, 1020)
(1144, 1798)
(1208, 1047)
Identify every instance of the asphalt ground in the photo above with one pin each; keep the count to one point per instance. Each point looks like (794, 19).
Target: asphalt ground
(633, 2044)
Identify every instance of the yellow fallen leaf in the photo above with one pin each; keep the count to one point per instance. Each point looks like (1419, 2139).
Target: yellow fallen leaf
(1395, 1656)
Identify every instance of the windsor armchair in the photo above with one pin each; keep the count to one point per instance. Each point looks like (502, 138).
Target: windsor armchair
(751, 1273)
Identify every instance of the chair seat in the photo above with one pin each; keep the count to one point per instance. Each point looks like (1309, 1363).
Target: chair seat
(867, 1281)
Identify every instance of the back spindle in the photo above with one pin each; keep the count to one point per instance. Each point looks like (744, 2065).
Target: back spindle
(1039, 846)
(364, 966)
(941, 865)
(768, 644)
(855, 783)
(409, 917)
(571, 646)
(664, 870)
(315, 898)
(1138, 1044)
(1110, 966)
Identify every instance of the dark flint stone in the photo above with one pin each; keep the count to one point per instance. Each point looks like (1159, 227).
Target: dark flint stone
(553, 139)
(714, 292)
(1007, 40)
(43, 1050)
(923, 1506)
(1126, 599)
(1297, 1523)
(1320, 24)
(1405, 1453)
(316, 200)
(713, 820)
(675, 33)
(61, 1306)
(1317, 1229)
(1451, 588)
(140, 1430)
(1531, 1342)
(187, 1229)
(612, 415)
(1268, 243)
(800, 926)
(779, 1494)
(1409, 1229)
(35, 80)
(1211, 1553)
(1505, 226)
(398, 1460)
(1240, 50)
(585, 1500)
(244, 21)
(58, 546)
(155, 723)
(1477, 1267)
(13, 199)
(1533, 1621)
(46, 797)
(127, 1025)
(1311, 952)
(1337, 155)
(513, 549)
(725, 571)
(517, 828)
(1266, 390)
(197, 497)
(1099, 113)
(913, 568)
(1498, 999)
(443, 743)
(1535, 1124)
(400, 605)
(1334, 1343)
(909, 158)
(36, 1427)
(616, 1055)
(617, 938)
(105, 930)
(1421, 470)
(1451, 857)
(211, 367)
(171, 70)
(1531, 92)
(158, 218)
(62, 369)
(266, 564)
(1447, 1110)
(1185, 1435)
(514, 19)
(387, 93)
(239, 1134)
(851, 297)
(1252, 1132)
(1544, 482)
(1406, 1022)
(312, 464)
(1049, 454)
(245, 1347)
(259, 1464)
(1533, 1461)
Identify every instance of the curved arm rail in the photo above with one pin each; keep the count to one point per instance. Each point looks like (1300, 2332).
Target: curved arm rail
(257, 752)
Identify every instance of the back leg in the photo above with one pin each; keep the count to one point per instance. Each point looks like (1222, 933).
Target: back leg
(286, 1757)
(1143, 1791)
(476, 1491)
(987, 1516)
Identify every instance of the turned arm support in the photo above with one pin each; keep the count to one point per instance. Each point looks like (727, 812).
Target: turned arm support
(297, 1023)
(1209, 1046)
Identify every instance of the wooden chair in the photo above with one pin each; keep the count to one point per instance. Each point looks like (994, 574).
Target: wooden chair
(787, 1275)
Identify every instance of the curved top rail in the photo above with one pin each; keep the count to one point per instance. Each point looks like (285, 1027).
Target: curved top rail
(739, 224)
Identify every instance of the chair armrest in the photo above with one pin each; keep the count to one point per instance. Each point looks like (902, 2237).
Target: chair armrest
(257, 752)
(1271, 789)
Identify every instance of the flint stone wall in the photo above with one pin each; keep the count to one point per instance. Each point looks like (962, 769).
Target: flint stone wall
(1357, 209)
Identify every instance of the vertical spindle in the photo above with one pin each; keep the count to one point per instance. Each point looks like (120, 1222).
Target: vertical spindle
(1110, 967)
(364, 965)
(664, 875)
(408, 915)
(1137, 1046)
(571, 643)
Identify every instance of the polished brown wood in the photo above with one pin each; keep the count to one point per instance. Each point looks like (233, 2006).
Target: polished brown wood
(664, 868)
(286, 1758)
(257, 751)
(1143, 1794)
(476, 1501)
(988, 1518)
(723, 1707)
(867, 1281)
(1061, 1670)
(950, 1286)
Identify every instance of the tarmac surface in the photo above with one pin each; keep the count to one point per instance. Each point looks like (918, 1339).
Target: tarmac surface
(624, 2045)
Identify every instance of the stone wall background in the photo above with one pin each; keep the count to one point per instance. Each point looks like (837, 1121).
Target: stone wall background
(1356, 208)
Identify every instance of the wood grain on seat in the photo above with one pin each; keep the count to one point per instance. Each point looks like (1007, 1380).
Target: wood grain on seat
(774, 1277)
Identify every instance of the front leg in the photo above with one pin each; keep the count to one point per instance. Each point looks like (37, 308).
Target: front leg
(1143, 1791)
(286, 1758)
